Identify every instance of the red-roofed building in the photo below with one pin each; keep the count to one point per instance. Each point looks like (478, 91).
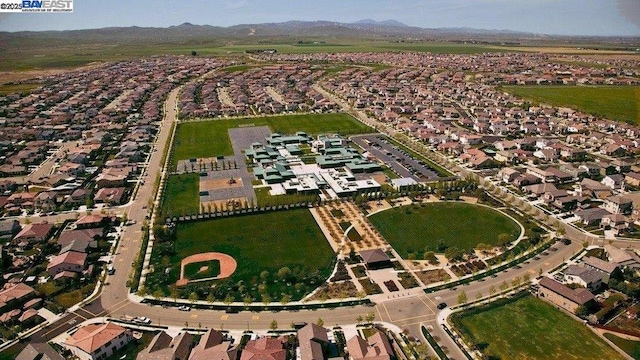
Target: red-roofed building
(264, 349)
(376, 347)
(15, 293)
(33, 233)
(69, 261)
(97, 341)
(91, 221)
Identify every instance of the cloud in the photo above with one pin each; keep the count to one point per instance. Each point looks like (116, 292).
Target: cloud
(630, 10)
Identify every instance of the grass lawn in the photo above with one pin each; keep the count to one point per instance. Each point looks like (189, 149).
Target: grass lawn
(529, 328)
(181, 195)
(629, 346)
(618, 103)
(6, 89)
(411, 229)
(130, 352)
(211, 138)
(193, 271)
(262, 242)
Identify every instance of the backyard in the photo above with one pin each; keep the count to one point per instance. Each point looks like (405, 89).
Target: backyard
(278, 253)
(439, 226)
(529, 328)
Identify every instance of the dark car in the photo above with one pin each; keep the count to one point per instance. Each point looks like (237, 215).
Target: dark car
(567, 241)
(442, 306)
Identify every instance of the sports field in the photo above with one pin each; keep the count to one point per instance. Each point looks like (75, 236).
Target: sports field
(417, 229)
(181, 195)
(629, 346)
(620, 103)
(202, 270)
(259, 243)
(211, 138)
(529, 328)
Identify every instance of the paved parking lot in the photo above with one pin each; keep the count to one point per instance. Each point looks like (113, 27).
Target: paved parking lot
(399, 161)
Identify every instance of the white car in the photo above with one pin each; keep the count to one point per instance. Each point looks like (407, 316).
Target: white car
(142, 320)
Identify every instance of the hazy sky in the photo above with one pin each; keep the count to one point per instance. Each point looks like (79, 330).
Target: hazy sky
(565, 17)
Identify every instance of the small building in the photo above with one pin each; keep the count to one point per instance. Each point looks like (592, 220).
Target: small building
(164, 347)
(375, 259)
(605, 267)
(14, 294)
(562, 296)
(97, 341)
(625, 258)
(403, 184)
(33, 233)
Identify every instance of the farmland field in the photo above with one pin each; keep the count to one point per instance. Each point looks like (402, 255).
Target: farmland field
(415, 229)
(529, 328)
(618, 103)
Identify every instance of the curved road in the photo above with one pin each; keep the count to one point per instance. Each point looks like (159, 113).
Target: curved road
(408, 312)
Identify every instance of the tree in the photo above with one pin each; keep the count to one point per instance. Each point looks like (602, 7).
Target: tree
(320, 322)
(193, 297)
(492, 290)
(264, 276)
(286, 298)
(273, 325)
(479, 295)
(516, 281)
(462, 297)
(158, 294)
(266, 299)
(370, 317)
(194, 53)
(247, 299)
(284, 272)
(228, 299)
(504, 286)
(359, 319)
(503, 239)
(526, 278)
(211, 298)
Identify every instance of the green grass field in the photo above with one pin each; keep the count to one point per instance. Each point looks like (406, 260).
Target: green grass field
(416, 229)
(17, 88)
(193, 271)
(211, 138)
(181, 195)
(263, 242)
(529, 328)
(629, 346)
(620, 103)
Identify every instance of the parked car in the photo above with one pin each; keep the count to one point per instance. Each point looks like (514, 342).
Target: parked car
(142, 320)
(184, 308)
(442, 306)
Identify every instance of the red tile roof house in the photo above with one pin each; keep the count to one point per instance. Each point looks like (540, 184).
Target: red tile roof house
(13, 294)
(313, 342)
(72, 261)
(264, 349)
(376, 347)
(91, 221)
(33, 233)
(110, 195)
(97, 341)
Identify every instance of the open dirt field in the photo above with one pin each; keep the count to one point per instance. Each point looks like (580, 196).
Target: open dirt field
(215, 184)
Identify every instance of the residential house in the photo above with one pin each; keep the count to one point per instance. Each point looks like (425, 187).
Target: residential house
(376, 347)
(632, 179)
(593, 189)
(563, 296)
(164, 347)
(626, 258)
(111, 196)
(313, 342)
(264, 349)
(592, 216)
(614, 181)
(45, 201)
(33, 233)
(13, 294)
(71, 261)
(618, 223)
(618, 204)
(97, 341)
(8, 228)
(39, 351)
(584, 276)
(508, 175)
(213, 347)
(605, 267)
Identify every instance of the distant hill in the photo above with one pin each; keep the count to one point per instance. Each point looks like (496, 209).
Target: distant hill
(188, 33)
